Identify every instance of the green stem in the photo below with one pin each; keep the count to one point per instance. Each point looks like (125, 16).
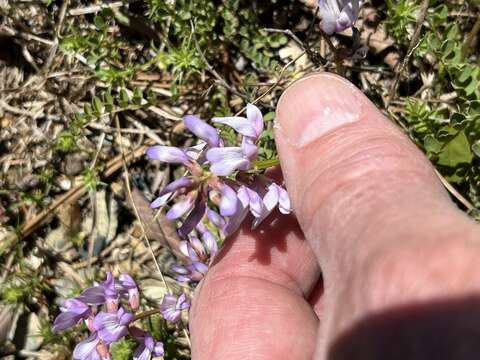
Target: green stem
(146, 314)
(265, 164)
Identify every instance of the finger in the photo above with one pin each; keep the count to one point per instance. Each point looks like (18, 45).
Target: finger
(370, 205)
(252, 303)
(347, 167)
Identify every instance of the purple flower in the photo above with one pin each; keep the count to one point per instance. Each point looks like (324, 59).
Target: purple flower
(172, 307)
(276, 195)
(215, 218)
(236, 220)
(130, 286)
(194, 217)
(73, 310)
(254, 115)
(225, 160)
(228, 201)
(182, 207)
(107, 292)
(209, 242)
(201, 129)
(112, 327)
(166, 192)
(338, 15)
(91, 349)
(251, 126)
(194, 271)
(167, 154)
(147, 345)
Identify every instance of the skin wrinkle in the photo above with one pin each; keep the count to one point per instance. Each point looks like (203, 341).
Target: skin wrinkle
(371, 191)
(301, 274)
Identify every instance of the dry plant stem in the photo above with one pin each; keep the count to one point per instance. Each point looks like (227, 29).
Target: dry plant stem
(413, 44)
(145, 314)
(274, 85)
(338, 61)
(94, 8)
(137, 215)
(93, 231)
(470, 39)
(210, 68)
(305, 46)
(58, 30)
(455, 193)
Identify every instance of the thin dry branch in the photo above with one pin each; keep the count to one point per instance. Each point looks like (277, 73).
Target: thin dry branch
(411, 48)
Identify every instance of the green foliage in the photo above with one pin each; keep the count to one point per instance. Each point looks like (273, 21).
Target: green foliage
(91, 179)
(400, 18)
(123, 349)
(449, 132)
(20, 288)
(220, 26)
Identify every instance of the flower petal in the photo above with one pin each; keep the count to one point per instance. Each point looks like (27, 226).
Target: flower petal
(158, 350)
(168, 154)
(201, 129)
(94, 295)
(87, 349)
(215, 218)
(271, 197)
(181, 207)
(225, 161)
(109, 328)
(256, 119)
(177, 184)
(228, 201)
(65, 320)
(193, 218)
(74, 305)
(142, 353)
(240, 124)
(249, 149)
(284, 204)
(257, 208)
(160, 201)
(210, 243)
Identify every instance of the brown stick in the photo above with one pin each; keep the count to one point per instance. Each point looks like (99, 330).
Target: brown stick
(413, 44)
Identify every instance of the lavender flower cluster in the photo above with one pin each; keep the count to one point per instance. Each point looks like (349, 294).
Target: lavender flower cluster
(108, 319)
(338, 15)
(217, 177)
(220, 187)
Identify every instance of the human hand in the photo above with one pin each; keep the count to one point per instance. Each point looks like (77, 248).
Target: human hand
(399, 262)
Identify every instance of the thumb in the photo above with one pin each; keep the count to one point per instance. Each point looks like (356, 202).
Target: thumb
(351, 174)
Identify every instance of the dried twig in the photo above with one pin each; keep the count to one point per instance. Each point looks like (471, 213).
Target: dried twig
(135, 210)
(414, 42)
(467, 47)
(210, 68)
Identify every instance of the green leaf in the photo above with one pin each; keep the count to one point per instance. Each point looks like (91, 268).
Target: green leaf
(432, 145)
(456, 151)
(124, 99)
(87, 109)
(137, 96)
(476, 148)
(97, 105)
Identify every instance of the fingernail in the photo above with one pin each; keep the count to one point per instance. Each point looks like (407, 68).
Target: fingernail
(316, 105)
